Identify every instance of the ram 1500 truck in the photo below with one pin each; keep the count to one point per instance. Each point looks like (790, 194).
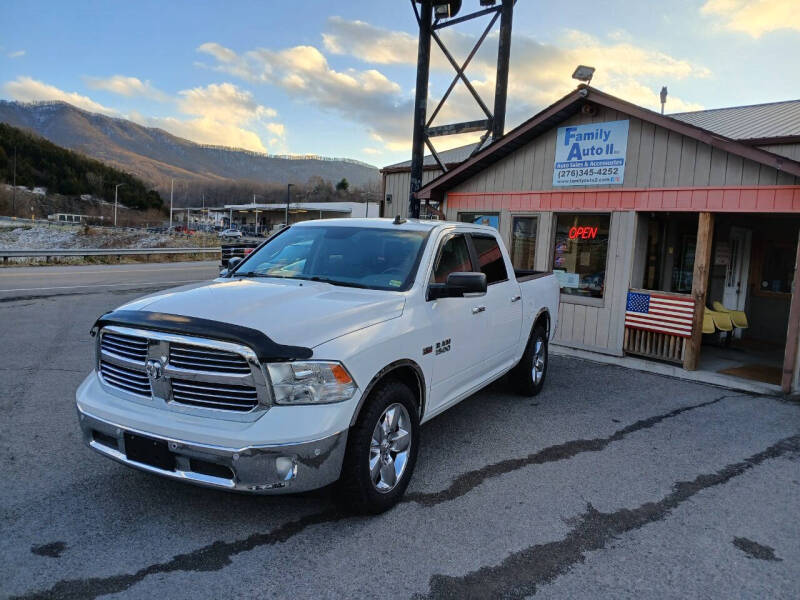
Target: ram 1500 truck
(316, 358)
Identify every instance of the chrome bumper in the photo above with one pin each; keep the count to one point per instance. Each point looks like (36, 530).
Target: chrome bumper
(259, 469)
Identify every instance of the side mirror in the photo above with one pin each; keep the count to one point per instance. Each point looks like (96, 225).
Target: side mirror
(459, 285)
(232, 262)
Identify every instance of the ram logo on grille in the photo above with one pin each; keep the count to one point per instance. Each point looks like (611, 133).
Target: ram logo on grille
(154, 369)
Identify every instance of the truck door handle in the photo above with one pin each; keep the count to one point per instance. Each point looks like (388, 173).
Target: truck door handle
(478, 309)
(516, 298)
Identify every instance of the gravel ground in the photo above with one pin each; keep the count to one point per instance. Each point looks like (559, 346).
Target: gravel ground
(47, 236)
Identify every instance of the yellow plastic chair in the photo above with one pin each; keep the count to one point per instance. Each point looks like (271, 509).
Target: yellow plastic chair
(738, 318)
(708, 322)
(722, 321)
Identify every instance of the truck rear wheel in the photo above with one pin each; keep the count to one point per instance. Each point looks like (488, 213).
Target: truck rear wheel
(381, 450)
(529, 375)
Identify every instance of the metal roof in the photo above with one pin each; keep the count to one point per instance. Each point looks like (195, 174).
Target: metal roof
(757, 121)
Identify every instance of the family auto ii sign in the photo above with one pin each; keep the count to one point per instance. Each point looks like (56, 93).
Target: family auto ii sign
(591, 154)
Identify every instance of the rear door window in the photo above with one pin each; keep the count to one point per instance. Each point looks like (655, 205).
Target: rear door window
(490, 258)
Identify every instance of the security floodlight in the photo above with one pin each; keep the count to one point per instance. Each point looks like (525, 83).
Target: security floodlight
(583, 73)
(444, 9)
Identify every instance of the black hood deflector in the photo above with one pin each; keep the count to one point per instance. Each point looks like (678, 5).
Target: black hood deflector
(266, 350)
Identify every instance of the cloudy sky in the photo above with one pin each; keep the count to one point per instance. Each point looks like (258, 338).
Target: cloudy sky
(337, 78)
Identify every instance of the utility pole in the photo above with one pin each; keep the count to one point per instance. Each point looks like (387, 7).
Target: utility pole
(503, 59)
(288, 198)
(171, 190)
(420, 105)
(14, 197)
(116, 189)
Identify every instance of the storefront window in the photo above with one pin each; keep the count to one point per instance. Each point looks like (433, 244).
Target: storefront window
(490, 219)
(523, 242)
(683, 270)
(777, 268)
(579, 259)
(669, 259)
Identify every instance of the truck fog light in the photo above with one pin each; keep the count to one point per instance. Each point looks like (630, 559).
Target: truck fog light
(286, 468)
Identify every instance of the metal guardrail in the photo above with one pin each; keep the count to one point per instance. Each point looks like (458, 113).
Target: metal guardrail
(54, 252)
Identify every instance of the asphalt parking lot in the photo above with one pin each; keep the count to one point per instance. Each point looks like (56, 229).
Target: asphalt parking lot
(610, 484)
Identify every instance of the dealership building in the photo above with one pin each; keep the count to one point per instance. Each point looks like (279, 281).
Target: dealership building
(674, 238)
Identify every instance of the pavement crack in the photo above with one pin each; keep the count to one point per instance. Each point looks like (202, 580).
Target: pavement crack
(208, 558)
(466, 482)
(217, 555)
(519, 575)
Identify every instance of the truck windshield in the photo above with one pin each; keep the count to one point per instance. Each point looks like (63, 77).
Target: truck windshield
(363, 257)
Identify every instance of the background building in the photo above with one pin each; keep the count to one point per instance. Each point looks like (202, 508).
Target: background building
(636, 211)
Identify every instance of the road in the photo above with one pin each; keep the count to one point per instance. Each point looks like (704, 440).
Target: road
(610, 484)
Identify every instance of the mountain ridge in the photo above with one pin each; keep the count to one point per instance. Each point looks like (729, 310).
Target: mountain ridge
(157, 156)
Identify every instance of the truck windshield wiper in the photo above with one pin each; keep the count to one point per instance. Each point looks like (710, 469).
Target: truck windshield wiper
(337, 282)
(255, 274)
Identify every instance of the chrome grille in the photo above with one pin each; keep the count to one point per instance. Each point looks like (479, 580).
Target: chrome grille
(126, 346)
(183, 373)
(125, 379)
(214, 395)
(198, 358)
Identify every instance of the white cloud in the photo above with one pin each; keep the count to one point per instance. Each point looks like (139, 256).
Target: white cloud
(365, 96)
(223, 115)
(205, 130)
(539, 72)
(126, 86)
(16, 54)
(223, 102)
(27, 89)
(371, 151)
(754, 17)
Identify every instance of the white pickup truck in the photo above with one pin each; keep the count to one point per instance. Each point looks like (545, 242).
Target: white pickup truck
(316, 358)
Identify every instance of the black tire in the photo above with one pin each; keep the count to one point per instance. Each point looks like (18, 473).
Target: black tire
(356, 490)
(525, 380)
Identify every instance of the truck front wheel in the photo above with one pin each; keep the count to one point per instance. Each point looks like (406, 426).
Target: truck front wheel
(528, 376)
(381, 450)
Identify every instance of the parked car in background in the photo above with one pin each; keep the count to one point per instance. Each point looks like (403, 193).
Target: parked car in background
(316, 358)
(230, 233)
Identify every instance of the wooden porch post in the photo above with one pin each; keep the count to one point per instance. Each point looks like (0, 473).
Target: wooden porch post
(702, 260)
(793, 331)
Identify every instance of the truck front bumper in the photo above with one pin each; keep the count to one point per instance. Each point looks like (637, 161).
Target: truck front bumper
(289, 467)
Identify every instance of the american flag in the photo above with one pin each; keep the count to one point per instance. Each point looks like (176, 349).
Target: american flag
(664, 314)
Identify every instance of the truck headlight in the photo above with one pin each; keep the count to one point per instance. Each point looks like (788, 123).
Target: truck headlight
(313, 382)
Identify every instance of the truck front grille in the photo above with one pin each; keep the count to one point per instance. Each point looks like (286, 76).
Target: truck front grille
(207, 359)
(126, 346)
(187, 373)
(129, 380)
(214, 395)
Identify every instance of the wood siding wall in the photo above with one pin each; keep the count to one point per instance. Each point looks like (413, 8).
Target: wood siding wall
(399, 186)
(656, 158)
(788, 150)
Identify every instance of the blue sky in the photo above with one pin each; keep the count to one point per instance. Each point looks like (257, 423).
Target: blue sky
(337, 78)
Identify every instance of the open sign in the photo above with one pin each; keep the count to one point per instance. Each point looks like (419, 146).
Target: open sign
(584, 233)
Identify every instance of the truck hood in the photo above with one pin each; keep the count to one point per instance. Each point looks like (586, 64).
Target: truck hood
(298, 313)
